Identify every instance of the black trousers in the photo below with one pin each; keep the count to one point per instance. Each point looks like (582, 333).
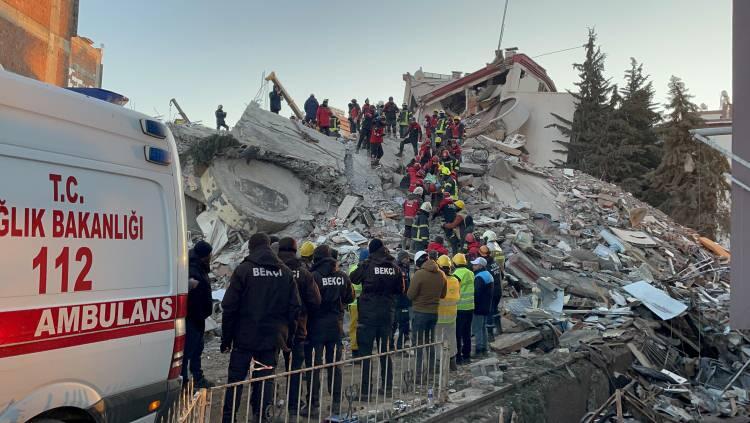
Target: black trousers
(364, 139)
(463, 333)
(220, 125)
(315, 353)
(192, 352)
(375, 331)
(294, 360)
(324, 129)
(239, 365)
(376, 151)
(408, 141)
(390, 126)
(402, 130)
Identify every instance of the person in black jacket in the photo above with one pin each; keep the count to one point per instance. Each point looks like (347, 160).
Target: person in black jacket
(261, 307)
(326, 326)
(221, 115)
(200, 306)
(275, 97)
(402, 314)
(310, 296)
(381, 281)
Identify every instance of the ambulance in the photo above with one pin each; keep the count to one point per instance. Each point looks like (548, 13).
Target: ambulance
(93, 260)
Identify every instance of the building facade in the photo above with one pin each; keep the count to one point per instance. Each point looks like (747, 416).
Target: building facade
(39, 39)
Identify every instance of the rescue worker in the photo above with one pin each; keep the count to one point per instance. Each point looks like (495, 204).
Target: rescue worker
(368, 107)
(366, 129)
(376, 143)
(427, 288)
(425, 152)
(457, 130)
(427, 127)
(311, 109)
(448, 184)
(200, 306)
(441, 128)
(449, 213)
(355, 114)
(404, 118)
(433, 124)
(306, 253)
(275, 97)
(413, 137)
(495, 257)
(323, 117)
(448, 309)
(448, 161)
(309, 294)
(220, 116)
(260, 310)
(465, 308)
(438, 246)
(327, 327)
(353, 308)
(460, 224)
(334, 129)
(402, 313)
(411, 207)
(483, 283)
(390, 110)
(381, 281)
(421, 228)
(471, 246)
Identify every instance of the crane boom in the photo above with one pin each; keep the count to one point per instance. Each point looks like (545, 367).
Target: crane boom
(272, 77)
(179, 110)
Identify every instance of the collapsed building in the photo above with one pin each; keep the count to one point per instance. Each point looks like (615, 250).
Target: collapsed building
(512, 95)
(613, 312)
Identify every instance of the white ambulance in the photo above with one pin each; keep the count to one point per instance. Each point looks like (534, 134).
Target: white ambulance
(93, 259)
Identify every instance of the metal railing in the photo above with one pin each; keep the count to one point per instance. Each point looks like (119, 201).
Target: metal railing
(397, 382)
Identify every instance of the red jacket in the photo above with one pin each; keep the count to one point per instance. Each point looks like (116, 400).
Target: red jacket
(440, 248)
(411, 207)
(444, 202)
(456, 131)
(323, 117)
(433, 121)
(354, 113)
(472, 249)
(415, 182)
(377, 135)
(368, 108)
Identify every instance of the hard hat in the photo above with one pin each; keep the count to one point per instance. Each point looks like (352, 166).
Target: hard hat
(442, 112)
(470, 237)
(418, 191)
(457, 117)
(426, 206)
(484, 251)
(445, 171)
(444, 261)
(459, 204)
(412, 119)
(445, 153)
(435, 111)
(307, 249)
(459, 259)
(489, 236)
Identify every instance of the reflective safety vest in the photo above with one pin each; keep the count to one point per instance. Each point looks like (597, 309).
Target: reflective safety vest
(357, 288)
(334, 124)
(403, 119)
(466, 276)
(441, 126)
(451, 187)
(420, 231)
(448, 306)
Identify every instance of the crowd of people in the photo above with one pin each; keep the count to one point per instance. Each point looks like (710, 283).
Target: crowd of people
(443, 284)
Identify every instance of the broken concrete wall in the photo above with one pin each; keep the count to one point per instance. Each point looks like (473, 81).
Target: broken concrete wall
(540, 143)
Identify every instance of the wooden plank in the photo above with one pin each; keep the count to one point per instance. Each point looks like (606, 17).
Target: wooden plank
(510, 342)
(618, 400)
(639, 355)
(346, 207)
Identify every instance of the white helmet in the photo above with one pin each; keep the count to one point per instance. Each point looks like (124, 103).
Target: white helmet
(489, 236)
(418, 191)
(426, 206)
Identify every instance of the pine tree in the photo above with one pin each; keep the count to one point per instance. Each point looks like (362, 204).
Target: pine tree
(588, 129)
(690, 177)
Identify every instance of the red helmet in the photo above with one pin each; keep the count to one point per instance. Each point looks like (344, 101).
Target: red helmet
(445, 153)
(470, 237)
(435, 159)
(447, 194)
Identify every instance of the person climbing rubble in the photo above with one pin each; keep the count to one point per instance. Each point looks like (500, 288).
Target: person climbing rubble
(427, 288)
(309, 293)
(323, 118)
(311, 109)
(355, 116)
(411, 207)
(326, 327)
(404, 119)
(275, 98)
(483, 288)
(495, 257)
(381, 281)
(413, 136)
(441, 127)
(260, 310)
(365, 131)
(456, 129)
(421, 228)
(390, 112)
(448, 309)
(221, 115)
(465, 308)
(376, 143)
(461, 224)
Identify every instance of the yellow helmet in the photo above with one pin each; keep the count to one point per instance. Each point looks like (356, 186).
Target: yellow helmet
(459, 204)
(444, 261)
(459, 259)
(307, 249)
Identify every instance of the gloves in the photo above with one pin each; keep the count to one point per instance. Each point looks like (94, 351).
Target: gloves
(225, 347)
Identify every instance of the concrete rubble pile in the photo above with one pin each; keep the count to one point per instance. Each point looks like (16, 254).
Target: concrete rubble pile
(593, 272)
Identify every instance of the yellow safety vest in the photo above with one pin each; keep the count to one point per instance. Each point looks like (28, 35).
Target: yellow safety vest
(334, 124)
(466, 302)
(441, 126)
(405, 116)
(357, 288)
(448, 306)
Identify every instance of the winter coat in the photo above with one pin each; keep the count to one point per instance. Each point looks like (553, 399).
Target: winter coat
(402, 301)
(355, 112)
(411, 207)
(261, 304)
(390, 110)
(377, 135)
(308, 291)
(483, 284)
(449, 213)
(323, 116)
(420, 231)
(367, 121)
(414, 133)
(275, 100)
(381, 281)
(220, 115)
(428, 286)
(311, 108)
(326, 324)
(200, 304)
(456, 131)
(472, 249)
(497, 276)
(439, 248)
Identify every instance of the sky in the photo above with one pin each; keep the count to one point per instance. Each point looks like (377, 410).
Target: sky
(205, 53)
